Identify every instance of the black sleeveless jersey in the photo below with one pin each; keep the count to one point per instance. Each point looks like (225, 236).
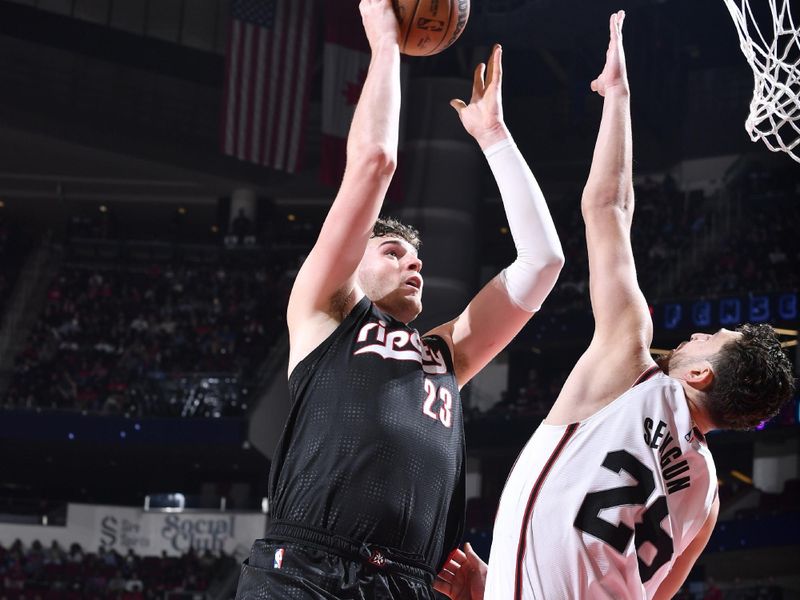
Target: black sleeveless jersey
(373, 450)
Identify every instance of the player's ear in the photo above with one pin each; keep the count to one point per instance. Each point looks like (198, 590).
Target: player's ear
(700, 376)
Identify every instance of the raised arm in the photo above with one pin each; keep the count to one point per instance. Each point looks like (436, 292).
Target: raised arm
(623, 331)
(507, 302)
(607, 207)
(325, 289)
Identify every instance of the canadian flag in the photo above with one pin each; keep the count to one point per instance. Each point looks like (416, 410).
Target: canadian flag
(346, 58)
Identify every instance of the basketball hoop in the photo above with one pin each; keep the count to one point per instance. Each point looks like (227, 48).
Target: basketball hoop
(775, 107)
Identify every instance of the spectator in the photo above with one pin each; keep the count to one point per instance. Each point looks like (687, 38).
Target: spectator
(117, 340)
(712, 591)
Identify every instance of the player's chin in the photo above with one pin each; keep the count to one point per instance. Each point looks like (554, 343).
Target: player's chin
(419, 308)
(412, 307)
(415, 307)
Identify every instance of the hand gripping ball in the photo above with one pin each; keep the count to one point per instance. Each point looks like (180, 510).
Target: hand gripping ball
(429, 26)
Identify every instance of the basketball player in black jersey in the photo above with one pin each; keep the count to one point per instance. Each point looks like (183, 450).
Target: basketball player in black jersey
(367, 483)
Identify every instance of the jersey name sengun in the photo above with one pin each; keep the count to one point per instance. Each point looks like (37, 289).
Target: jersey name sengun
(669, 452)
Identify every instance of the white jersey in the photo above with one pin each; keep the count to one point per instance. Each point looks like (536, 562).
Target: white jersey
(601, 509)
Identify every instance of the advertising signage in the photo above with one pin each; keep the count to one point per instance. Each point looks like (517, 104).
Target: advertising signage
(729, 312)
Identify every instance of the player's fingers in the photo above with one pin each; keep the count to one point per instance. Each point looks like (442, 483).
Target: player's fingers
(452, 566)
(612, 32)
(472, 558)
(490, 67)
(477, 82)
(495, 73)
(446, 575)
(443, 587)
(459, 105)
(617, 35)
(457, 556)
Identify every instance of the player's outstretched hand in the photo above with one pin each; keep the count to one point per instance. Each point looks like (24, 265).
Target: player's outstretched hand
(614, 75)
(463, 577)
(483, 116)
(380, 21)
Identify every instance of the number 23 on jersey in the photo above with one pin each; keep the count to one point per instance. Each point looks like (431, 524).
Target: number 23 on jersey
(445, 406)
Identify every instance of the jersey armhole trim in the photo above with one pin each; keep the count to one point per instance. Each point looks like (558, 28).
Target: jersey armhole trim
(354, 313)
(537, 486)
(447, 356)
(647, 374)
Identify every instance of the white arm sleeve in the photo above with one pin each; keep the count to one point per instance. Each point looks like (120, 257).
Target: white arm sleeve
(539, 255)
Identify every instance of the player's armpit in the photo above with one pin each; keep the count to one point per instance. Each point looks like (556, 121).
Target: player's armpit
(604, 372)
(482, 330)
(684, 563)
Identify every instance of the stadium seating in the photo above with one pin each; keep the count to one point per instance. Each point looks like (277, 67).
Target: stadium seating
(173, 338)
(13, 249)
(55, 573)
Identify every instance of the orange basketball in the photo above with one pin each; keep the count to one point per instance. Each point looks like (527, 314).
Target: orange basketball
(429, 26)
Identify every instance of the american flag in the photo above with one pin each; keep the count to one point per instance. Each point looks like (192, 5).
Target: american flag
(267, 81)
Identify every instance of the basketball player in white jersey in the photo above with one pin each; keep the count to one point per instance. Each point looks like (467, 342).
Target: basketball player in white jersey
(615, 495)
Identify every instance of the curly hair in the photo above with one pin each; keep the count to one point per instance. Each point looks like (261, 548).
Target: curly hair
(391, 227)
(752, 379)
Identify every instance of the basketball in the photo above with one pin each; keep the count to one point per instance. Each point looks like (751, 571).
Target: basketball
(429, 26)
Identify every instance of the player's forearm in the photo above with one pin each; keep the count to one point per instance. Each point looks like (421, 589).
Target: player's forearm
(531, 277)
(371, 158)
(610, 182)
(374, 132)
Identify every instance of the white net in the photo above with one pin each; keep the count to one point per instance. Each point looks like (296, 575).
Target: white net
(775, 60)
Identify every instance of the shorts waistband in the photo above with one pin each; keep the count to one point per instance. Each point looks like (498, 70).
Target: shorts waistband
(380, 557)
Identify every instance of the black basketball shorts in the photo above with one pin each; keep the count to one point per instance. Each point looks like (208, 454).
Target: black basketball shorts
(296, 570)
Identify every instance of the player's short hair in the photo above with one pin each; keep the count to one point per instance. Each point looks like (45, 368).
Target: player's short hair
(391, 227)
(752, 379)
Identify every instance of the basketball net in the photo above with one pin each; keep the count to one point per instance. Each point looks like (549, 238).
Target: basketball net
(775, 107)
